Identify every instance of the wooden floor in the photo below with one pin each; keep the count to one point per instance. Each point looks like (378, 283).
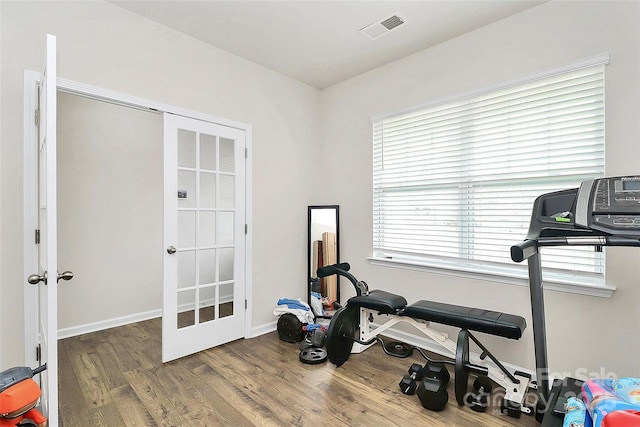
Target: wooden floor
(116, 378)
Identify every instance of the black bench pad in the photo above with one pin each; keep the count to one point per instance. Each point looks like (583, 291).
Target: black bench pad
(380, 301)
(473, 319)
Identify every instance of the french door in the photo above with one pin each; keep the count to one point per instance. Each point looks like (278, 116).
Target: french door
(204, 236)
(47, 275)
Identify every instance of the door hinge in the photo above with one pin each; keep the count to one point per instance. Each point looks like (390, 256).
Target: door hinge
(37, 117)
(246, 304)
(246, 228)
(39, 353)
(37, 237)
(246, 153)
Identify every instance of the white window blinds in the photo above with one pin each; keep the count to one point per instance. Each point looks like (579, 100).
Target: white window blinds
(454, 184)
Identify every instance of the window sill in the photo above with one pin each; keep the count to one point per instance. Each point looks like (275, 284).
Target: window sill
(509, 278)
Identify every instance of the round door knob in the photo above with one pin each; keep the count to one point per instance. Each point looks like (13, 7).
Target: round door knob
(66, 275)
(171, 250)
(34, 279)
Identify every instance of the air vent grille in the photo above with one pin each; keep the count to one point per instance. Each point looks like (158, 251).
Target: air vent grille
(392, 22)
(383, 26)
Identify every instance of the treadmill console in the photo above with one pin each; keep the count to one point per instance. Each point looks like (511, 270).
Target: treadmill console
(611, 205)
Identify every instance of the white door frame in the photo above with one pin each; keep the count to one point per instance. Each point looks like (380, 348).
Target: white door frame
(30, 185)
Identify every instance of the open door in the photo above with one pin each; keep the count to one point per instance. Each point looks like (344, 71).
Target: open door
(47, 275)
(47, 222)
(204, 236)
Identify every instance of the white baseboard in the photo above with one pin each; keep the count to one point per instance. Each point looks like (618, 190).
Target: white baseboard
(125, 320)
(106, 324)
(263, 329)
(139, 317)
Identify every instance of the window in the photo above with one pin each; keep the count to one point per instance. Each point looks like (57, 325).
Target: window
(454, 183)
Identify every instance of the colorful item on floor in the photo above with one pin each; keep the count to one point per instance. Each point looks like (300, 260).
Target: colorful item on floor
(613, 403)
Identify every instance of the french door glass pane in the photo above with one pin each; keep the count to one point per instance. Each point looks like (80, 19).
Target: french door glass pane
(227, 191)
(225, 228)
(186, 229)
(186, 189)
(207, 266)
(186, 149)
(186, 307)
(207, 228)
(207, 190)
(227, 155)
(207, 304)
(207, 152)
(226, 264)
(186, 269)
(226, 300)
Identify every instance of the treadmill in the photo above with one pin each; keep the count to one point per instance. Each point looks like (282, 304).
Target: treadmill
(602, 212)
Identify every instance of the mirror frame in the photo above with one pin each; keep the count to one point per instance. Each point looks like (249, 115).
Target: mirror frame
(311, 274)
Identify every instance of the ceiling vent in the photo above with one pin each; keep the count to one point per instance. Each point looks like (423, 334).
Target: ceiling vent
(383, 26)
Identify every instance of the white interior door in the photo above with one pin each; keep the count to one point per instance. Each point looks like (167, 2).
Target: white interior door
(204, 236)
(46, 278)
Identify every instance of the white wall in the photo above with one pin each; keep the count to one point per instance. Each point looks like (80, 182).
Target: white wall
(583, 332)
(109, 211)
(102, 45)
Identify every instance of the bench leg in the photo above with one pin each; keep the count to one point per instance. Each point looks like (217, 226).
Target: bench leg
(487, 353)
(364, 329)
(515, 385)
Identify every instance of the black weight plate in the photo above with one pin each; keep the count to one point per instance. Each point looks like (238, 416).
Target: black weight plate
(340, 336)
(399, 349)
(484, 383)
(478, 402)
(290, 328)
(462, 373)
(313, 356)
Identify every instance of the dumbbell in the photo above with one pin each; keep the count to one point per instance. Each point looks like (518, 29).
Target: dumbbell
(318, 338)
(408, 382)
(478, 399)
(438, 371)
(432, 393)
(306, 343)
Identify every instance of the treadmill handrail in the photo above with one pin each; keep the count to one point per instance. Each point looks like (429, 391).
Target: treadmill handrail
(524, 250)
(529, 247)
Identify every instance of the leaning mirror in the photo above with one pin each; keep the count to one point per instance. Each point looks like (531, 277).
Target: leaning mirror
(324, 249)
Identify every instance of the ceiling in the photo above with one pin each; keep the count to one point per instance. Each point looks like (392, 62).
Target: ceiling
(318, 42)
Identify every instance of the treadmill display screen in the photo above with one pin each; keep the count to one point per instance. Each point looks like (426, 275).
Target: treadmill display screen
(631, 185)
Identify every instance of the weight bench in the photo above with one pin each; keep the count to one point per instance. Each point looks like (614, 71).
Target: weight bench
(350, 332)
